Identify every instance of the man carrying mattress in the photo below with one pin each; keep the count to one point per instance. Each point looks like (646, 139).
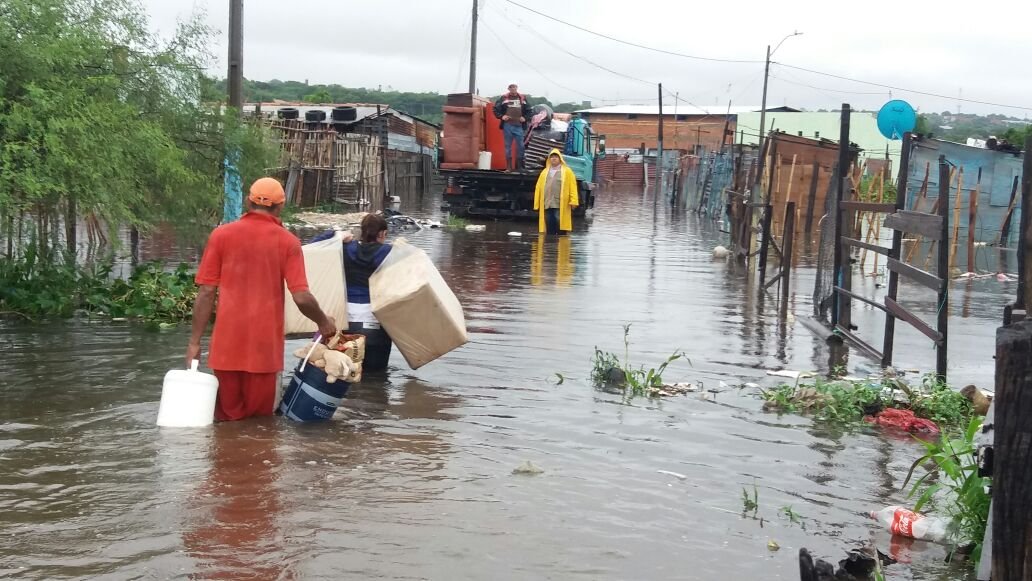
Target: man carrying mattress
(246, 264)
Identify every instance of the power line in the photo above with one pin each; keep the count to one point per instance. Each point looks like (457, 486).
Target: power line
(530, 66)
(578, 57)
(628, 43)
(823, 89)
(834, 76)
(903, 89)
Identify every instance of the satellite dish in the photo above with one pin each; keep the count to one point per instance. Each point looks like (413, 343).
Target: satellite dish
(896, 118)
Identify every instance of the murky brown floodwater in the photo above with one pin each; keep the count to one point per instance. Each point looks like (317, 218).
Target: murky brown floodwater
(413, 480)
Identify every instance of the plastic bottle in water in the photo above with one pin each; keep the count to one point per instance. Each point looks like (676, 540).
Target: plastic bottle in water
(907, 523)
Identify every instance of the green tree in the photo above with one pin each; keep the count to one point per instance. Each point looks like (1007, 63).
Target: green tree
(320, 96)
(98, 114)
(923, 126)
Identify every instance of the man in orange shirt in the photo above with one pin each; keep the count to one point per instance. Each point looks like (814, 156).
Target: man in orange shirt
(247, 262)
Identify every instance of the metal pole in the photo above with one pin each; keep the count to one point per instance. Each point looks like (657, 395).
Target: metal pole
(473, 51)
(897, 248)
(943, 269)
(839, 272)
(660, 181)
(236, 54)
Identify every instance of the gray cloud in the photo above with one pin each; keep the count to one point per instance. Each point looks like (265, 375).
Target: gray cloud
(423, 45)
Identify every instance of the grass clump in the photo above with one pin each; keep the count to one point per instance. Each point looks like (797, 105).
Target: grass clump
(608, 369)
(954, 486)
(844, 401)
(456, 222)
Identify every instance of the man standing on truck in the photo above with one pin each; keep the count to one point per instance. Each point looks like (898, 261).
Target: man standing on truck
(513, 112)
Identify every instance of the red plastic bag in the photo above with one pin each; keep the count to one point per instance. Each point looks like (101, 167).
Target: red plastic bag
(904, 420)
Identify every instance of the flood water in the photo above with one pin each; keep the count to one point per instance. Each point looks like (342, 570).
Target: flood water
(413, 478)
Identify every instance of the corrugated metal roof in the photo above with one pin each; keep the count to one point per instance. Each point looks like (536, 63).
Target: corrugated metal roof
(670, 109)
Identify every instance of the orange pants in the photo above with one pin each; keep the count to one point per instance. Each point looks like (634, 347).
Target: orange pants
(243, 395)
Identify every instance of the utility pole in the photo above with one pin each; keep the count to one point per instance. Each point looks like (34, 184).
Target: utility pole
(233, 201)
(660, 181)
(755, 195)
(473, 51)
(236, 54)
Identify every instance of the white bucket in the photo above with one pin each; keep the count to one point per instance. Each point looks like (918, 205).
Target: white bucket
(187, 398)
(484, 161)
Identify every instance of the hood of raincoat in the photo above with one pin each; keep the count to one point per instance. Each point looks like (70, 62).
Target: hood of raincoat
(562, 160)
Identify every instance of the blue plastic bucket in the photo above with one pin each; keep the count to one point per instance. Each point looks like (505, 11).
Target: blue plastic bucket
(309, 398)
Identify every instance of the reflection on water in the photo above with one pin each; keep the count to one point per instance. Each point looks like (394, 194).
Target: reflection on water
(412, 479)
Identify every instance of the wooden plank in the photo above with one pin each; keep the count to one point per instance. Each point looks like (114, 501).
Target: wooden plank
(919, 276)
(876, 207)
(859, 343)
(927, 225)
(896, 310)
(871, 302)
(872, 247)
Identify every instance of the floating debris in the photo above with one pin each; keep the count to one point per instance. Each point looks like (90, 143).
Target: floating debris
(318, 220)
(516, 234)
(528, 469)
(773, 545)
(791, 374)
(677, 475)
(476, 228)
(721, 252)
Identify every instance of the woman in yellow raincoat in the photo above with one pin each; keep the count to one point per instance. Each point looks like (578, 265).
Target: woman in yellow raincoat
(556, 196)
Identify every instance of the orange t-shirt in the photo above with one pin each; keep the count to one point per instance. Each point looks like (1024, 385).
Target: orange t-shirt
(248, 260)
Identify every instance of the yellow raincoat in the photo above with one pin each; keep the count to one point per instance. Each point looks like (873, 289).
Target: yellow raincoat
(568, 197)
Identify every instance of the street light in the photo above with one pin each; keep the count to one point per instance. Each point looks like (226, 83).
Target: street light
(763, 108)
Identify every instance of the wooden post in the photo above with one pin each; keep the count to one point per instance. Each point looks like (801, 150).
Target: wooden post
(972, 221)
(1024, 300)
(919, 201)
(955, 239)
(787, 242)
(810, 209)
(791, 176)
(1005, 230)
(897, 244)
(1012, 455)
(840, 304)
(943, 270)
(768, 214)
(877, 183)
(878, 225)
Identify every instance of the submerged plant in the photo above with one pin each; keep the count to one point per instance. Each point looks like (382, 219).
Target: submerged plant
(957, 488)
(750, 504)
(609, 369)
(60, 289)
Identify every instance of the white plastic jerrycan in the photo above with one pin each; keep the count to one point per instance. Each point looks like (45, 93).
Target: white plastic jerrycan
(187, 398)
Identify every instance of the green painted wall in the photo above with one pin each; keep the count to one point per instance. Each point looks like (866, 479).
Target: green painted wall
(863, 130)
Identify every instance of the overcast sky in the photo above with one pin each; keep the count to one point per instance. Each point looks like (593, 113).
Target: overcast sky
(423, 45)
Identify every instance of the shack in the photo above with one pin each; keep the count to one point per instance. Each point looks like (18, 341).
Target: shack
(984, 193)
(356, 154)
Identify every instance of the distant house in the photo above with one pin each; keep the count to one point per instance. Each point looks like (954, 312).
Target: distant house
(685, 127)
(863, 130)
(994, 175)
(354, 153)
